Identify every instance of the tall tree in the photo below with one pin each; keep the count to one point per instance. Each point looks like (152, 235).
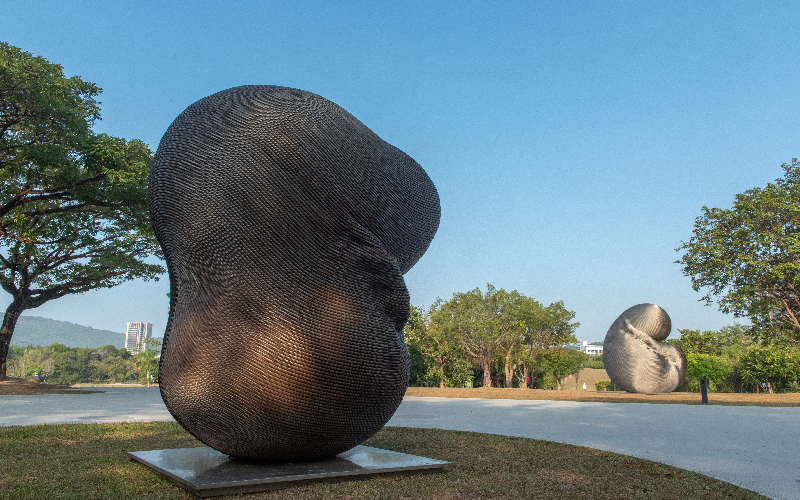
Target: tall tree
(502, 325)
(544, 327)
(561, 362)
(73, 204)
(413, 330)
(476, 319)
(748, 256)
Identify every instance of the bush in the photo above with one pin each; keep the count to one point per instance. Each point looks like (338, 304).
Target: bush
(546, 381)
(595, 363)
(604, 385)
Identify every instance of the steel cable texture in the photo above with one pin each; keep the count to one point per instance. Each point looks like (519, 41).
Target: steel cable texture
(287, 225)
(634, 355)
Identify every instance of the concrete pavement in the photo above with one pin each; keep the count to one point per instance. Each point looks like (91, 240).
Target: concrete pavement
(754, 447)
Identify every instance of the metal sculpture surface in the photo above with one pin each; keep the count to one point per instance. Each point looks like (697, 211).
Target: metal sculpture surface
(287, 226)
(634, 355)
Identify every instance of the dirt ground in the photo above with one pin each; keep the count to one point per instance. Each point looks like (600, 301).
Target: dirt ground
(592, 375)
(22, 387)
(727, 399)
(587, 376)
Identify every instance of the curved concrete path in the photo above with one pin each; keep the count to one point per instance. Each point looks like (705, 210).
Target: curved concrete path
(754, 447)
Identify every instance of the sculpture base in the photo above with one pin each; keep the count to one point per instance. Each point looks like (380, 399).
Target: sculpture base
(207, 472)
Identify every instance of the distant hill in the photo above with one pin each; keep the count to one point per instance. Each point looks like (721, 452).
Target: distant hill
(34, 330)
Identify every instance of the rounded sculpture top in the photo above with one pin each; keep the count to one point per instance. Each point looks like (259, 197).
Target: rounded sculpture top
(634, 355)
(287, 226)
(649, 319)
(311, 151)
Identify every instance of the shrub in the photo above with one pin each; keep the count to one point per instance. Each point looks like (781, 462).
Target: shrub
(595, 363)
(604, 385)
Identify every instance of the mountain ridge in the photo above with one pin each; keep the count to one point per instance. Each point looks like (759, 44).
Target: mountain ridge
(36, 330)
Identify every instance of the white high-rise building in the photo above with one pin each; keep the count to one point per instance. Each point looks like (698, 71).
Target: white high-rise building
(135, 335)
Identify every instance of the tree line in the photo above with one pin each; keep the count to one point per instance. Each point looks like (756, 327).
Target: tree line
(494, 339)
(59, 364)
(733, 359)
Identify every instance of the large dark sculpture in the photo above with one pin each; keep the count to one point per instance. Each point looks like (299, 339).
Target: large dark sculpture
(634, 355)
(287, 226)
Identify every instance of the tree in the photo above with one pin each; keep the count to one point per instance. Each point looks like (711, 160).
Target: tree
(73, 204)
(561, 362)
(414, 328)
(696, 342)
(482, 323)
(706, 367)
(544, 327)
(147, 362)
(774, 365)
(748, 256)
(503, 327)
(439, 346)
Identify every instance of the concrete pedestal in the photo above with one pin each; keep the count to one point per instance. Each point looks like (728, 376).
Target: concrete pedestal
(207, 472)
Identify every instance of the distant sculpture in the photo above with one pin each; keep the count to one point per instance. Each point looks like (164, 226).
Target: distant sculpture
(634, 355)
(287, 226)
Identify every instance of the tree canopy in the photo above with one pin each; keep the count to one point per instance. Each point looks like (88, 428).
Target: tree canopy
(748, 256)
(73, 204)
(490, 327)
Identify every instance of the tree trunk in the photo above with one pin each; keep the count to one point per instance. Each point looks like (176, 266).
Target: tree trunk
(509, 370)
(526, 373)
(6, 332)
(487, 374)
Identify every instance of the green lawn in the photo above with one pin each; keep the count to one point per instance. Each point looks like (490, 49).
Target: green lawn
(89, 461)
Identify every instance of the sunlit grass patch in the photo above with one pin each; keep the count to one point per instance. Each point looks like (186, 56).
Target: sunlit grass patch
(90, 461)
(717, 398)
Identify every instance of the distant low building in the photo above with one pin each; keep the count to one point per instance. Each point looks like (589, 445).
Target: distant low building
(594, 350)
(135, 335)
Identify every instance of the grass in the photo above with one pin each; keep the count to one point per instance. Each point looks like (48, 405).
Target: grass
(686, 398)
(88, 461)
(26, 387)
(22, 387)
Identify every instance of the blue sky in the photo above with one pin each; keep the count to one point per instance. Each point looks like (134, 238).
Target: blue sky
(572, 143)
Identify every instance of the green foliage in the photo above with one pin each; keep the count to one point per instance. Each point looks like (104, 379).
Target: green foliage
(560, 363)
(734, 361)
(604, 385)
(419, 368)
(73, 204)
(147, 362)
(498, 331)
(498, 327)
(707, 366)
(694, 341)
(60, 364)
(442, 361)
(776, 366)
(748, 256)
(478, 323)
(594, 363)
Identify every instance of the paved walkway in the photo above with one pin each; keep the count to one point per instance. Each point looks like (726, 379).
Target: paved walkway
(756, 448)
(753, 447)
